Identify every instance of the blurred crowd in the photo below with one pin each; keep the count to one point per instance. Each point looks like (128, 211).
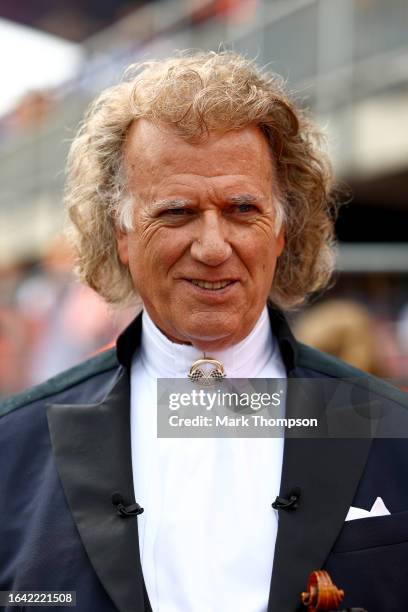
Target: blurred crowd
(348, 330)
(81, 19)
(48, 321)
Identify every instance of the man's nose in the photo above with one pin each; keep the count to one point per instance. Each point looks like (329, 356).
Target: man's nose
(211, 246)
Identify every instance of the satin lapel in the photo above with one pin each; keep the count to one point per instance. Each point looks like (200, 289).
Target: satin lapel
(327, 471)
(91, 444)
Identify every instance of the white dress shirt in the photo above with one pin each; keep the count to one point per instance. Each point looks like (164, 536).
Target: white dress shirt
(207, 534)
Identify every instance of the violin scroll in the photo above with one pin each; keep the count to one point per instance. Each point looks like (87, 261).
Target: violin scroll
(321, 593)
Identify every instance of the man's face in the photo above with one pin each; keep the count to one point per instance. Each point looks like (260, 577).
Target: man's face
(203, 251)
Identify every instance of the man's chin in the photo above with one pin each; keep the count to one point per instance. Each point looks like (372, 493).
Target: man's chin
(216, 338)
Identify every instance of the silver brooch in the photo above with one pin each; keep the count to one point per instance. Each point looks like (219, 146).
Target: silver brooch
(206, 371)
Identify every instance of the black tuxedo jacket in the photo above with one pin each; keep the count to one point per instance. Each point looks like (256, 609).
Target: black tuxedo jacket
(65, 449)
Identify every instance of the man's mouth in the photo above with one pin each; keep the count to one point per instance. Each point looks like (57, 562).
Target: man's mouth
(210, 285)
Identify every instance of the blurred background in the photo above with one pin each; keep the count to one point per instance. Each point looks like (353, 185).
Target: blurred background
(346, 60)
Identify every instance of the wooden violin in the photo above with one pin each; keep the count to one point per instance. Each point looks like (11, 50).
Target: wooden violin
(323, 594)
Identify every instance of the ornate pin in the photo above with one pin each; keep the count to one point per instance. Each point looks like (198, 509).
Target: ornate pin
(206, 371)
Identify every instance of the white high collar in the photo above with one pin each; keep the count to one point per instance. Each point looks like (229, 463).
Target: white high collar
(163, 358)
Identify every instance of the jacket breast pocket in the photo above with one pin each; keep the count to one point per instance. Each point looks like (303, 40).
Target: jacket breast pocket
(372, 532)
(369, 561)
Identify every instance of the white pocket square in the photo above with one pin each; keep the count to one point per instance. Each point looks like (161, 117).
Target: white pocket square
(378, 509)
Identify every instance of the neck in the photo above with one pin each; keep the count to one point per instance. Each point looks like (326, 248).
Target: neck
(166, 358)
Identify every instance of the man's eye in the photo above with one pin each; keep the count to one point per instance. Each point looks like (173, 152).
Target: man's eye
(176, 212)
(244, 208)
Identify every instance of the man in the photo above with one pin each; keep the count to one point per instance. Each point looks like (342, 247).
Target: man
(197, 186)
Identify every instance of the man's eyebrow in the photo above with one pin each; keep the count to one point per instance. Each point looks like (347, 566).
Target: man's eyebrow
(244, 198)
(170, 203)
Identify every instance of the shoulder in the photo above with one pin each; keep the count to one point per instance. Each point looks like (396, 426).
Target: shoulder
(88, 375)
(310, 359)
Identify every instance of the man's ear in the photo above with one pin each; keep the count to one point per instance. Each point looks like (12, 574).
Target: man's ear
(280, 241)
(122, 242)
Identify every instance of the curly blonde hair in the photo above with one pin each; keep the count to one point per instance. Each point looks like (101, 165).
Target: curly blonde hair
(196, 93)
